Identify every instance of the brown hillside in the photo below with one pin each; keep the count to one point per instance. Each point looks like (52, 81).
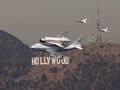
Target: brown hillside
(93, 68)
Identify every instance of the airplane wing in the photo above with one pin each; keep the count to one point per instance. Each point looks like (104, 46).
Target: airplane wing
(54, 52)
(56, 45)
(38, 45)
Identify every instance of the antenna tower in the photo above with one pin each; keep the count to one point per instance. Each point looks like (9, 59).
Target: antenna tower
(98, 38)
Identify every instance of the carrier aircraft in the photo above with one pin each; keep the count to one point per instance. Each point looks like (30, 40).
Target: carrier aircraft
(55, 46)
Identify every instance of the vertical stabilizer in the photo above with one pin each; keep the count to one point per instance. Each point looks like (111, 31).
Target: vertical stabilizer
(75, 44)
(64, 34)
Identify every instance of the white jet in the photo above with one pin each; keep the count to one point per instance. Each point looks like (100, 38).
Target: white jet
(105, 30)
(83, 20)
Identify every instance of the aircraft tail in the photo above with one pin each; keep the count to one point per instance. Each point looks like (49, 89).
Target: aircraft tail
(77, 41)
(64, 34)
(76, 44)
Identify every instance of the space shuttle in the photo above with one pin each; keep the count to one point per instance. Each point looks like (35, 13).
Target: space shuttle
(63, 39)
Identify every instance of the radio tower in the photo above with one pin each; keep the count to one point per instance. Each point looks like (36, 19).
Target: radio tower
(98, 38)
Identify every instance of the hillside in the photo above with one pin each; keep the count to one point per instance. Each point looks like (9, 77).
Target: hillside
(14, 59)
(93, 68)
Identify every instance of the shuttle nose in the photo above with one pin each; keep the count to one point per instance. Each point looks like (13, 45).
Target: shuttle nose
(42, 40)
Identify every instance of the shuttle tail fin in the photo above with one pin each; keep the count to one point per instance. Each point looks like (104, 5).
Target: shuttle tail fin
(64, 34)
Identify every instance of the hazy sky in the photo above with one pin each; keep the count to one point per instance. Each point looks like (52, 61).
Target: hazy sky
(29, 20)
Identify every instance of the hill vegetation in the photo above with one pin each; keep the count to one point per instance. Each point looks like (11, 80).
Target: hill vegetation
(94, 68)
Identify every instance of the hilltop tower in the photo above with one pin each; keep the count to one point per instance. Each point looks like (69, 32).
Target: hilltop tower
(98, 36)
